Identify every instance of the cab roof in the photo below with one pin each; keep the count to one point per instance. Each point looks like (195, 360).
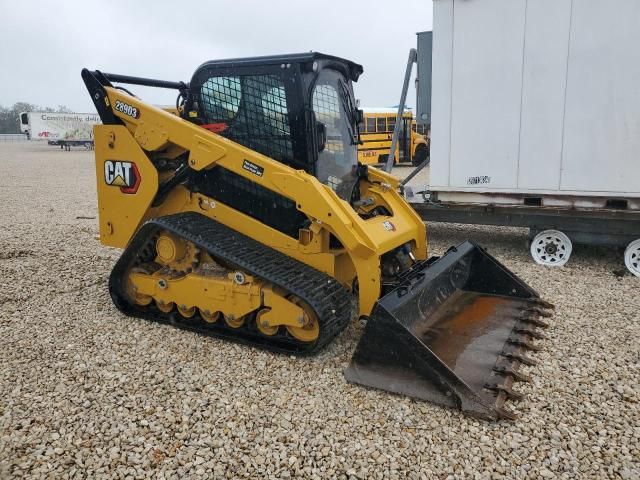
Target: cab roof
(355, 69)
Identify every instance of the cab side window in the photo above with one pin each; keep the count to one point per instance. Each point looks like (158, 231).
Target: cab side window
(251, 110)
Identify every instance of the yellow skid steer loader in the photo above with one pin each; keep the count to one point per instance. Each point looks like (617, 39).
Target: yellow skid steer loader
(246, 216)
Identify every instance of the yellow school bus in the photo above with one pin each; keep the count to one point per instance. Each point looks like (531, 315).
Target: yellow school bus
(376, 131)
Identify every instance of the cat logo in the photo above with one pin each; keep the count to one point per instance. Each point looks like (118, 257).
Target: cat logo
(122, 174)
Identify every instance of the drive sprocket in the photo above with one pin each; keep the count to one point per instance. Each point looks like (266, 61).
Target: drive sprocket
(180, 256)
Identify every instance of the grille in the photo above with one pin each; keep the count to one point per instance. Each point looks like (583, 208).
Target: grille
(250, 198)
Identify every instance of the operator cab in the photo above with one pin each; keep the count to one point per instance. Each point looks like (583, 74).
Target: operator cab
(298, 109)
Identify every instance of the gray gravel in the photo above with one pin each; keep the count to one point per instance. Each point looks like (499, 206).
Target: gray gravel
(420, 180)
(88, 393)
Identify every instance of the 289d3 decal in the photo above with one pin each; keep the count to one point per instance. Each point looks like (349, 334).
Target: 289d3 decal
(122, 174)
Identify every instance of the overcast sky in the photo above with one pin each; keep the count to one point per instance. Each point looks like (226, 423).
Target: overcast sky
(44, 45)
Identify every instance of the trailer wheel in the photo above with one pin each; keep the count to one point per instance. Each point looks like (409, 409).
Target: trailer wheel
(632, 257)
(551, 248)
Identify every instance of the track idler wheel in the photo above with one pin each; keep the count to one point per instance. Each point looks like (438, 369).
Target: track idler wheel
(309, 330)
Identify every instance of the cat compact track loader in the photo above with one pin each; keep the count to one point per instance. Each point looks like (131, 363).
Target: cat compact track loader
(247, 217)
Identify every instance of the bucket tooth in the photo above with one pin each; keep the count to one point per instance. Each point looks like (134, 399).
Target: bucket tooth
(506, 413)
(517, 376)
(534, 321)
(543, 303)
(529, 331)
(520, 358)
(500, 408)
(511, 394)
(538, 311)
(522, 342)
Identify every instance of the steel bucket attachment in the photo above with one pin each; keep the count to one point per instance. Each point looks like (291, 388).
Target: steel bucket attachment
(454, 332)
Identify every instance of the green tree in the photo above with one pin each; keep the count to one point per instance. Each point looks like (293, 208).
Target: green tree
(9, 121)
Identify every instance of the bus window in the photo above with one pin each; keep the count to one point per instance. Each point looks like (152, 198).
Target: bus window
(371, 125)
(381, 124)
(391, 123)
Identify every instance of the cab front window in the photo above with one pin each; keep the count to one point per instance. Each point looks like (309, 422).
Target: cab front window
(338, 159)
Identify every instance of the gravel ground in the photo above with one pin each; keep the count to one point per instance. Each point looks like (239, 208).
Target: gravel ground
(421, 179)
(88, 393)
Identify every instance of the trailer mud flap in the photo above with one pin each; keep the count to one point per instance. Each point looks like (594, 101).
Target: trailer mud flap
(455, 332)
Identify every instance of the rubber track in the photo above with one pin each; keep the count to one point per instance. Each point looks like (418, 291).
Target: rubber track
(330, 301)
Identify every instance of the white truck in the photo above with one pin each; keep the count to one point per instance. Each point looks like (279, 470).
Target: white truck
(535, 122)
(64, 129)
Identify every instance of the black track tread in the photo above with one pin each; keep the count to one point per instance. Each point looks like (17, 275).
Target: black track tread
(330, 300)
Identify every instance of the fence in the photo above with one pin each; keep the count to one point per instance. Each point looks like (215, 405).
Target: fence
(12, 137)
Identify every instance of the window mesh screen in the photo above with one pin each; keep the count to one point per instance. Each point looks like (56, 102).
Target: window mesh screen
(253, 110)
(326, 106)
(220, 98)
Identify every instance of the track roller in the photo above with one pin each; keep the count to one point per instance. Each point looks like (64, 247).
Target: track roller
(165, 307)
(186, 312)
(233, 322)
(263, 325)
(210, 317)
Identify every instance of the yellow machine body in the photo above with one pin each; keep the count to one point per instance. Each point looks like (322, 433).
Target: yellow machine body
(197, 212)
(365, 241)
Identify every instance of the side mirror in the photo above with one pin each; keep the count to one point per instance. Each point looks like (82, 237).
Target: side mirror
(359, 117)
(321, 136)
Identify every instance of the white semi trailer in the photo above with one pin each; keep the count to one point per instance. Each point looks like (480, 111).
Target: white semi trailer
(535, 121)
(64, 129)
